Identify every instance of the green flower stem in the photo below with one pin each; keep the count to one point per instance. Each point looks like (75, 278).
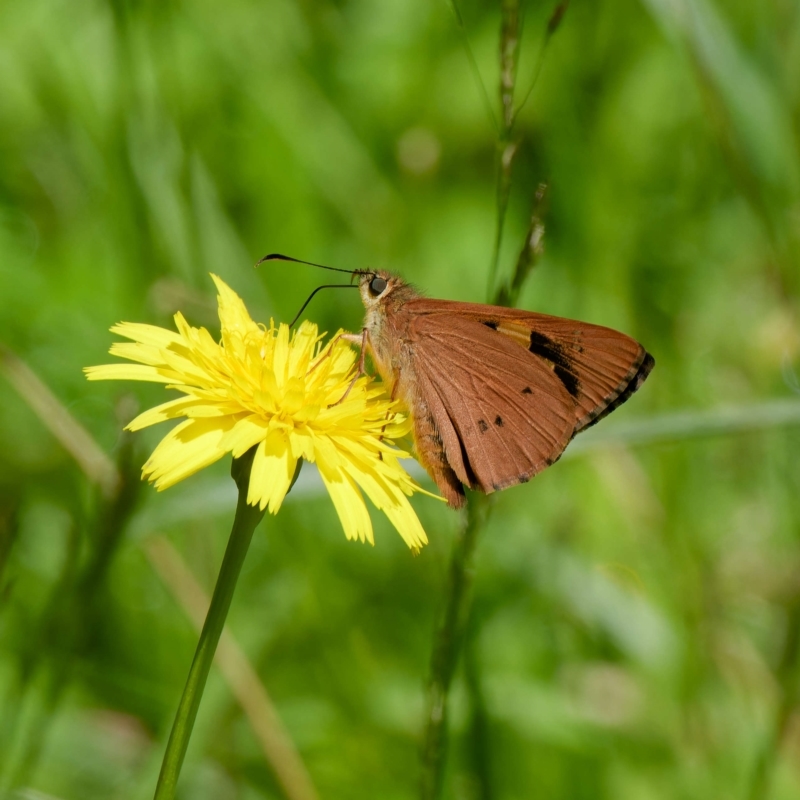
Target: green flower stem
(245, 522)
(447, 646)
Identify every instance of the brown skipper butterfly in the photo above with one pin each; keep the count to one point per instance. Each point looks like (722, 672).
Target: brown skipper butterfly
(495, 394)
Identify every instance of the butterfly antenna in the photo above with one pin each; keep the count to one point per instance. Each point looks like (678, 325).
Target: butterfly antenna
(318, 289)
(280, 257)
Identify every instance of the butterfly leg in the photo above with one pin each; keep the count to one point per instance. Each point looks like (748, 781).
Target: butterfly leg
(361, 341)
(353, 338)
(393, 397)
(329, 351)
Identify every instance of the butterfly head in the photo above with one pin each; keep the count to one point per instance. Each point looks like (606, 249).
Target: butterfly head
(384, 297)
(376, 286)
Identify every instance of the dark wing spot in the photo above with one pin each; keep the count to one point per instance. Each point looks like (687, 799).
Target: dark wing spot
(492, 325)
(568, 379)
(498, 420)
(527, 390)
(553, 352)
(542, 346)
(482, 425)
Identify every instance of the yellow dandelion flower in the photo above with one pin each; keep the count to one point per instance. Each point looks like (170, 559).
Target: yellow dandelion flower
(280, 392)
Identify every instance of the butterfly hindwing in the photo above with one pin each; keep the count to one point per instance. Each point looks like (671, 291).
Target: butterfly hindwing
(503, 416)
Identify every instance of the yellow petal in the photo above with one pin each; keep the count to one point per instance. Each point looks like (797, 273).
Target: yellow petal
(190, 373)
(280, 357)
(134, 351)
(302, 349)
(272, 472)
(170, 410)
(348, 502)
(389, 499)
(233, 315)
(301, 442)
(406, 522)
(146, 334)
(247, 432)
(128, 372)
(187, 448)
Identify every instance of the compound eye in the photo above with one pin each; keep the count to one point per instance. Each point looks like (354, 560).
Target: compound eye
(377, 286)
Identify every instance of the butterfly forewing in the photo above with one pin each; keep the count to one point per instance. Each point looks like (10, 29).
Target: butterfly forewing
(598, 367)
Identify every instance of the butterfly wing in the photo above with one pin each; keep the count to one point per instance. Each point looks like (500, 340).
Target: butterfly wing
(493, 414)
(600, 368)
(503, 391)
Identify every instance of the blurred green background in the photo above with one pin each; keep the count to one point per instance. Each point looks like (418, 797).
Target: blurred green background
(636, 629)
